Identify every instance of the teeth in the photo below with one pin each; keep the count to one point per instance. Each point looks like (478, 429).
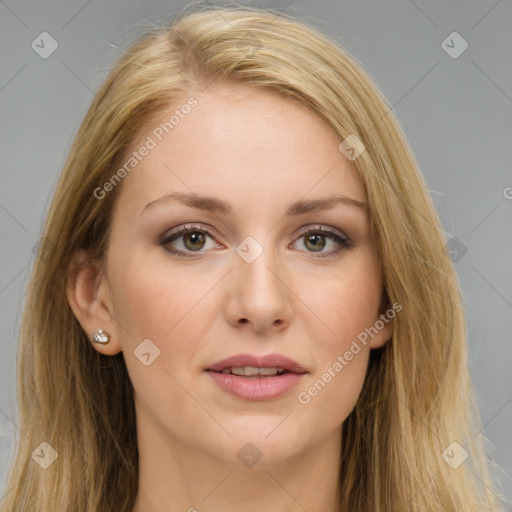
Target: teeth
(251, 371)
(268, 371)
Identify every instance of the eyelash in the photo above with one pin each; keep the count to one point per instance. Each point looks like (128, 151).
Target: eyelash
(345, 242)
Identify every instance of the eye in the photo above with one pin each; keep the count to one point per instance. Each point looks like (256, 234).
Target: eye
(315, 240)
(193, 237)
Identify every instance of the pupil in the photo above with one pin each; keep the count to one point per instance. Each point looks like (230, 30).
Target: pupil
(317, 237)
(199, 239)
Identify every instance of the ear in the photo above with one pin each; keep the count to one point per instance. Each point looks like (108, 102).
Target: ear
(89, 298)
(384, 326)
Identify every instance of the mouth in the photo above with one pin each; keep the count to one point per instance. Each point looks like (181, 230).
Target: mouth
(248, 365)
(253, 372)
(256, 378)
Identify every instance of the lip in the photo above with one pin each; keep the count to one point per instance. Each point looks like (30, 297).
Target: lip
(267, 361)
(258, 388)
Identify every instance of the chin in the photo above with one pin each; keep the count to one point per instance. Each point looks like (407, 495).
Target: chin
(255, 448)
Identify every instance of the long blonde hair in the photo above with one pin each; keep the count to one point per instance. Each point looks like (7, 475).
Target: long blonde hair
(417, 397)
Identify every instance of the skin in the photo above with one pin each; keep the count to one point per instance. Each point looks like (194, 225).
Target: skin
(260, 152)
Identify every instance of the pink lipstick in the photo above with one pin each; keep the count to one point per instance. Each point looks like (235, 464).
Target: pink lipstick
(257, 378)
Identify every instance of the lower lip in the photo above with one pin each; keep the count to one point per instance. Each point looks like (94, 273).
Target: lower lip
(256, 388)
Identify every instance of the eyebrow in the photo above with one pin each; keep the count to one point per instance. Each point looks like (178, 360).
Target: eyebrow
(216, 205)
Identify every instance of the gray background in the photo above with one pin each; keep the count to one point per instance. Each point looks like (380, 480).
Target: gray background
(456, 113)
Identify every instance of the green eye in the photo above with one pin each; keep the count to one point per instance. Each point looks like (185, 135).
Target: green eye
(194, 238)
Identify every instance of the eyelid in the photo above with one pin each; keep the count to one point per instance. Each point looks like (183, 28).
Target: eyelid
(186, 228)
(324, 229)
(210, 231)
(177, 232)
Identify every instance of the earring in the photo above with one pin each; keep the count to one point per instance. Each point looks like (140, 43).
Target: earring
(101, 337)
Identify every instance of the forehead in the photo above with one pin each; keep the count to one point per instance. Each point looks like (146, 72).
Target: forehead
(238, 143)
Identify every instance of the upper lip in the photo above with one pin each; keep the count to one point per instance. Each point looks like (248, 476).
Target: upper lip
(267, 361)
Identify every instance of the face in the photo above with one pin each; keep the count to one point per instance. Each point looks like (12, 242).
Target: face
(249, 277)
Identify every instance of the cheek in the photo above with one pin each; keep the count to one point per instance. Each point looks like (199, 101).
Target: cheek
(152, 300)
(153, 303)
(341, 360)
(347, 300)
(172, 308)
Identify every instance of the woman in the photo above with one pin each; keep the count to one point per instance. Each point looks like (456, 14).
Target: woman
(244, 297)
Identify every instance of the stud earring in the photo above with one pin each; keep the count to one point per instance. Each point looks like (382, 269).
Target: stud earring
(101, 337)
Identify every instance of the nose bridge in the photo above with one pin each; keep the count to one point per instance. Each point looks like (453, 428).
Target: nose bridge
(260, 294)
(259, 263)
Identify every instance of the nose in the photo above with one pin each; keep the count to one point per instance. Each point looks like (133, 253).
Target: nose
(259, 294)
